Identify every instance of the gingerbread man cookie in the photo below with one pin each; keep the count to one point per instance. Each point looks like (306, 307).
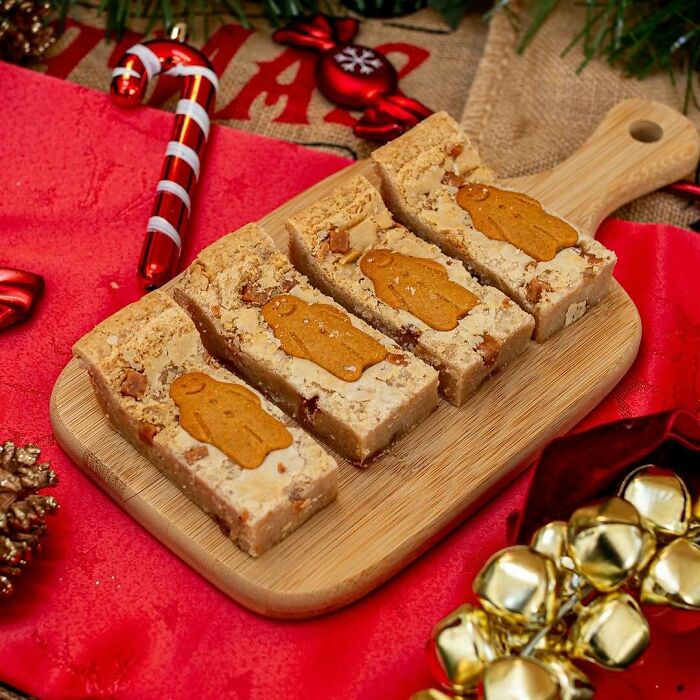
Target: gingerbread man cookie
(418, 285)
(516, 218)
(228, 416)
(322, 334)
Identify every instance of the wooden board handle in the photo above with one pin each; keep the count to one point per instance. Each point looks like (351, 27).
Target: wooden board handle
(640, 146)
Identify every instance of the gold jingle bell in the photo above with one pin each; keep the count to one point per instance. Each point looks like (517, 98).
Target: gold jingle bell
(661, 498)
(550, 540)
(430, 694)
(555, 641)
(609, 543)
(514, 638)
(611, 631)
(574, 684)
(519, 678)
(673, 577)
(519, 585)
(693, 533)
(460, 646)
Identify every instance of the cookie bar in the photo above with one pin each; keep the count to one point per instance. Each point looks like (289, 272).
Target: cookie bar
(351, 248)
(435, 183)
(337, 376)
(227, 448)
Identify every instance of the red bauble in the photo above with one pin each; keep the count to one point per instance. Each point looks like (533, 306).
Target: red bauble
(355, 77)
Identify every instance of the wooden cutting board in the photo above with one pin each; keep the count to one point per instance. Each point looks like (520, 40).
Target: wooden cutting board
(386, 515)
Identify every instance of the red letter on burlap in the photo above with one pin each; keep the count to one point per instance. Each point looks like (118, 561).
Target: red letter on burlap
(86, 39)
(297, 93)
(220, 49)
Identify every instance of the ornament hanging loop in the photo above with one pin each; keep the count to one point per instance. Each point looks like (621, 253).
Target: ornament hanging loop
(178, 32)
(181, 167)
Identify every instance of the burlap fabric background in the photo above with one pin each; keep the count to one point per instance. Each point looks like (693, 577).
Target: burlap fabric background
(270, 89)
(527, 112)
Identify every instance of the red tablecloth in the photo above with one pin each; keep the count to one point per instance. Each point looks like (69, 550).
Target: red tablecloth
(109, 612)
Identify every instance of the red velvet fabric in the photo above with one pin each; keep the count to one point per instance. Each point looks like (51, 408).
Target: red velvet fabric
(591, 465)
(108, 612)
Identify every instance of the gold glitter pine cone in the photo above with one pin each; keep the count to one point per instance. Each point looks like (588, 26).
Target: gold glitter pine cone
(22, 508)
(25, 32)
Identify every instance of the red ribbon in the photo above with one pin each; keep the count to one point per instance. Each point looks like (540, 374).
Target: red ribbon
(685, 188)
(318, 32)
(582, 467)
(19, 292)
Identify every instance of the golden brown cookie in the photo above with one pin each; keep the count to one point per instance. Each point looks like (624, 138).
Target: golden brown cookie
(322, 334)
(516, 218)
(228, 416)
(418, 285)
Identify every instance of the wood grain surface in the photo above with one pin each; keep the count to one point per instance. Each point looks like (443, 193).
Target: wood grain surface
(385, 516)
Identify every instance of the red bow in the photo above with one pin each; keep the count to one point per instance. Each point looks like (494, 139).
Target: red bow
(19, 292)
(389, 117)
(318, 32)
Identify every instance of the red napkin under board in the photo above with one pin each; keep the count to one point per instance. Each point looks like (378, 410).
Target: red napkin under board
(107, 611)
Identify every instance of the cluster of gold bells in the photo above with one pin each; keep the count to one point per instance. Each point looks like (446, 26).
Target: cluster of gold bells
(569, 595)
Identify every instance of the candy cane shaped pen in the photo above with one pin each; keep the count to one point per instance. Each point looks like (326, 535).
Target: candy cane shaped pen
(181, 168)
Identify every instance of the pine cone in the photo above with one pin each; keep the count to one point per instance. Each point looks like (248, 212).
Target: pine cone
(22, 509)
(25, 32)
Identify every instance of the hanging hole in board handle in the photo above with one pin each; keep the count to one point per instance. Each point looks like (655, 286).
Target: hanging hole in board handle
(646, 131)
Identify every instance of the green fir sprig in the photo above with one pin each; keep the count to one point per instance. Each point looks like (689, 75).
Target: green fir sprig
(637, 36)
(120, 15)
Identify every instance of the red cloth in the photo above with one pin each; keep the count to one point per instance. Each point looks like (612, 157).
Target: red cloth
(109, 612)
(591, 465)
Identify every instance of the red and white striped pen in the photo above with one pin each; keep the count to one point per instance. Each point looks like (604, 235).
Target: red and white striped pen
(181, 168)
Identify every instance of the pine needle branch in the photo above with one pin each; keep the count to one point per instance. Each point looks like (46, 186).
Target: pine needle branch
(637, 36)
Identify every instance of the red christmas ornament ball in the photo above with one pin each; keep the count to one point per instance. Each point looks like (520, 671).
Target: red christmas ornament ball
(353, 76)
